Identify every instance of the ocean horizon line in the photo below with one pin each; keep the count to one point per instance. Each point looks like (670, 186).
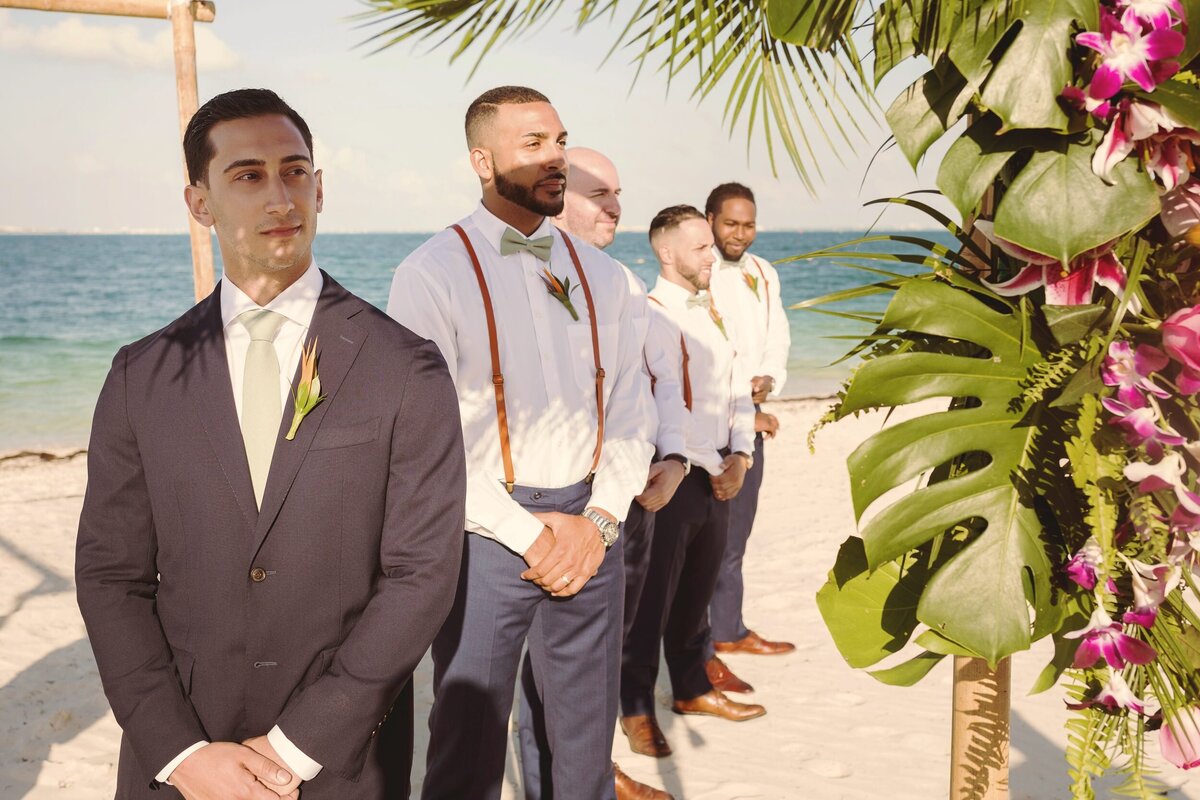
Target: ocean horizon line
(14, 231)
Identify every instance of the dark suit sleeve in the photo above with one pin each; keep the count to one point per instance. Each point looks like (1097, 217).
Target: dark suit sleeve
(333, 719)
(116, 583)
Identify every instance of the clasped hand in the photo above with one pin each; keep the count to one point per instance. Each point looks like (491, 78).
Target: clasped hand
(566, 555)
(231, 771)
(733, 473)
(664, 479)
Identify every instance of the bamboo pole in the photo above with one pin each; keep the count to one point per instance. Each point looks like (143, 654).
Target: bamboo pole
(979, 734)
(205, 11)
(184, 38)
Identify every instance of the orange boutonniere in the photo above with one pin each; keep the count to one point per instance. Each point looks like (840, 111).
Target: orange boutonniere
(752, 282)
(715, 316)
(560, 290)
(308, 392)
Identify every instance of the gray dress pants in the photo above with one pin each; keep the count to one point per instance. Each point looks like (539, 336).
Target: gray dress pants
(575, 650)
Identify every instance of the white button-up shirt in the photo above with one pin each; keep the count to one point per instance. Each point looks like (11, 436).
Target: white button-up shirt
(722, 412)
(296, 304)
(666, 427)
(549, 372)
(763, 335)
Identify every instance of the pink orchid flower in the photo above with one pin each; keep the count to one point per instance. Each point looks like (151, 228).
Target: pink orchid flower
(1130, 370)
(1165, 143)
(1069, 287)
(1155, 13)
(1129, 53)
(1139, 421)
(1084, 100)
(1179, 738)
(1167, 474)
(1151, 585)
(1181, 341)
(1103, 638)
(1181, 208)
(1114, 695)
(1083, 566)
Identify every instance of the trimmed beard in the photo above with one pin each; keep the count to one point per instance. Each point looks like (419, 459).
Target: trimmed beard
(524, 197)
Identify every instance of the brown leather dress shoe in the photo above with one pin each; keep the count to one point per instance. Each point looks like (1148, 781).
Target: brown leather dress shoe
(715, 704)
(721, 677)
(754, 644)
(629, 789)
(645, 737)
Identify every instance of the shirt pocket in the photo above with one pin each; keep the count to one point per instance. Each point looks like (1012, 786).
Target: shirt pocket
(583, 362)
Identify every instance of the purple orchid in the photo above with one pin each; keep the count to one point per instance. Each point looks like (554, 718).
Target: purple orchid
(1165, 143)
(1064, 287)
(1083, 566)
(1151, 585)
(1103, 638)
(1114, 695)
(1139, 421)
(1130, 370)
(1130, 53)
(1083, 100)
(1155, 13)
(1168, 474)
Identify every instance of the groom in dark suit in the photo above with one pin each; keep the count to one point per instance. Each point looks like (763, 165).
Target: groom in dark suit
(260, 576)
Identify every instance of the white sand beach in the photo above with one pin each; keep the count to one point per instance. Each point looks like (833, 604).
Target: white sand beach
(830, 732)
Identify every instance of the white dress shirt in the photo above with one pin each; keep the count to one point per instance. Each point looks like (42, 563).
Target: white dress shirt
(549, 372)
(763, 335)
(722, 412)
(296, 304)
(667, 417)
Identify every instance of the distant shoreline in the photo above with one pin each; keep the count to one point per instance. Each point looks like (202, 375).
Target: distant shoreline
(12, 232)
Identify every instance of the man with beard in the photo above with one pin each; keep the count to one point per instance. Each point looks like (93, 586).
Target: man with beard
(748, 291)
(591, 211)
(538, 331)
(690, 531)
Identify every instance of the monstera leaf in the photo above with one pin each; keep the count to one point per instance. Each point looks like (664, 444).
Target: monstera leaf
(977, 600)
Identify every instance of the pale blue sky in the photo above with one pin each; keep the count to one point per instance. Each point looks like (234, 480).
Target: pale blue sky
(90, 138)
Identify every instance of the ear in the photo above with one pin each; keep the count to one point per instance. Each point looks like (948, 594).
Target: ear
(196, 198)
(481, 162)
(710, 217)
(664, 253)
(320, 193)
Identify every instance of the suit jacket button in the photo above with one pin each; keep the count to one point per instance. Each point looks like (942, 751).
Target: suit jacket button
(258, 574)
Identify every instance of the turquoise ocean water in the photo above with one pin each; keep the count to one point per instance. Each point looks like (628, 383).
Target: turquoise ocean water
(69, 302)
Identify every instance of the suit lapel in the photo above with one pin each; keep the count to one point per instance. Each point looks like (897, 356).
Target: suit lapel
(339, 341)
(212, 393)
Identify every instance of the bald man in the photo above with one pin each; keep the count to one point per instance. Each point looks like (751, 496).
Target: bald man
(591, 211)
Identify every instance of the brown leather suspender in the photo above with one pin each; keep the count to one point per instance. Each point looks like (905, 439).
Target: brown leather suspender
(498, 376)
(687, 378)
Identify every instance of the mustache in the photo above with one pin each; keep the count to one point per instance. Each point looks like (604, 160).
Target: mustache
(554, 176)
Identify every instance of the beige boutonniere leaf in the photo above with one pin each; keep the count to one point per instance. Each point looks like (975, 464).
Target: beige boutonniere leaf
(308, 392)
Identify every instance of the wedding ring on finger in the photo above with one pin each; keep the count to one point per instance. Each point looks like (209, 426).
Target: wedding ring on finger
(566, 580)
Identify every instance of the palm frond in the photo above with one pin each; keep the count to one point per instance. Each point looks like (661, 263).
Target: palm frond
(793, 93)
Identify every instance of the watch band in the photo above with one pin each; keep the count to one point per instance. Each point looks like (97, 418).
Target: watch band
(679, 459)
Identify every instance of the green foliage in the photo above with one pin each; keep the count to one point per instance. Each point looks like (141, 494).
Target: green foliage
(927, 109)
(1057, 206)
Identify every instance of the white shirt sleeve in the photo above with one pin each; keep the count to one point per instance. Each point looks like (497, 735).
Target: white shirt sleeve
(779, 334)
(164, 775)
(625, 462)
(293, 757)
(741, 433)
(416, 302)
(664, 359)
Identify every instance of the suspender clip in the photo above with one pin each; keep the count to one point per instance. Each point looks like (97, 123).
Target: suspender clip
(591, 477)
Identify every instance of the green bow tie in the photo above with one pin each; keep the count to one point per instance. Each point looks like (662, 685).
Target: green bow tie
(513, 242)
(700, 299)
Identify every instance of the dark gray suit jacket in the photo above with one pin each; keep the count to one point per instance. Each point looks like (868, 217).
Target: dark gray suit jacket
(212, 620)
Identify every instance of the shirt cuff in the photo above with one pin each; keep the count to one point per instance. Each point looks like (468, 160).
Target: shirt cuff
(165, 774)
(294, 759)
(672, 444)
(519, 531)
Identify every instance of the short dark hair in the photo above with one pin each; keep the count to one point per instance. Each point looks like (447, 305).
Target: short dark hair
(483, 108)
(672, 217)
(726, 191)
(238, 104)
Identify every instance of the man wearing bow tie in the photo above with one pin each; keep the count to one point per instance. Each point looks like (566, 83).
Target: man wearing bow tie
(690, 531)
(538, 330)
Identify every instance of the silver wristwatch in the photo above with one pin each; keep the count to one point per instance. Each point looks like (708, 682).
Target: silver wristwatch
(609, 530)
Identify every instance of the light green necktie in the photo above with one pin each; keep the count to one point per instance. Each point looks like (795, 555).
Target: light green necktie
(513, 242)
(261, 405)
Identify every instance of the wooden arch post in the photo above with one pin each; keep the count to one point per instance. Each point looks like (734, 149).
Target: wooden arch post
(183, 15)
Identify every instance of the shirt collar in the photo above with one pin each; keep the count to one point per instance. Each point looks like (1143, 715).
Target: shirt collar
(671, 293)
(492, 227)
(297, 302)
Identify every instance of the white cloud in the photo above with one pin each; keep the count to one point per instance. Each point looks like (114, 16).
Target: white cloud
(133, 45)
